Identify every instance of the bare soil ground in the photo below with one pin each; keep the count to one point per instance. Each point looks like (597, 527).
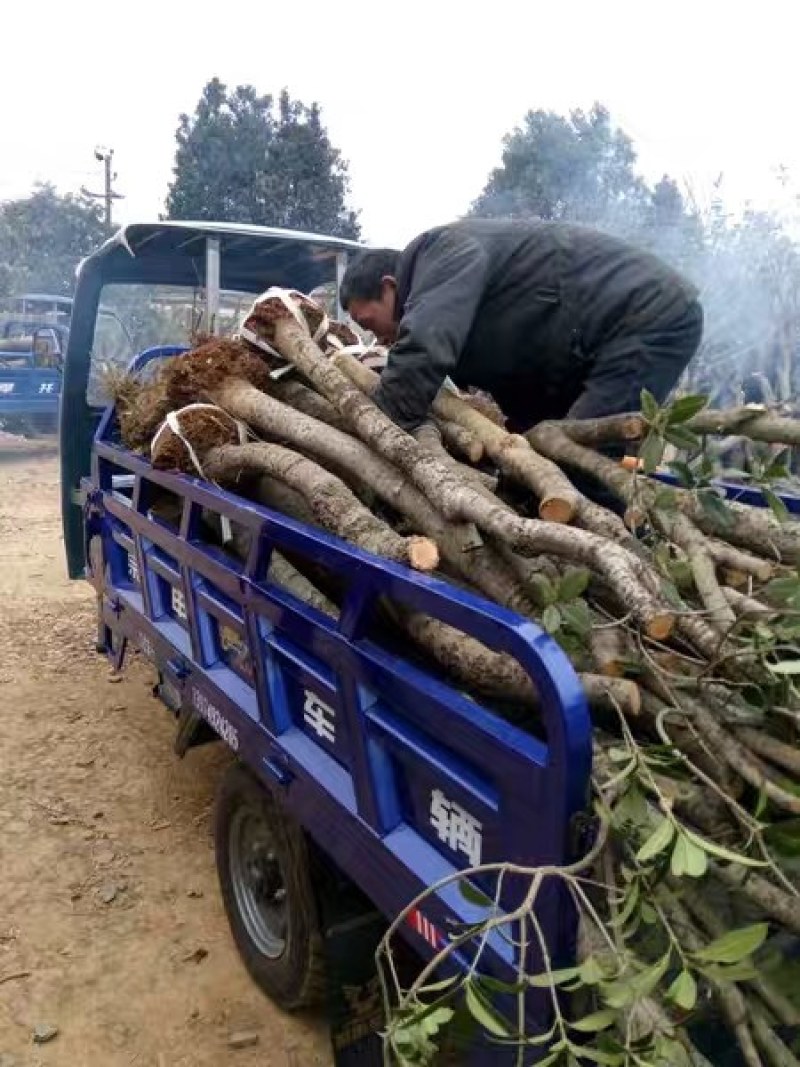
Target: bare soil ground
(111, 925)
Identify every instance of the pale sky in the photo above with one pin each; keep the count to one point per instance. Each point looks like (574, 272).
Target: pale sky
(417, 95)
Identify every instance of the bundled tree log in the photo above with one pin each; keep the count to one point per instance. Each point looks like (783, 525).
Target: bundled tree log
(558, 498)
(331, 502)
(683, 626)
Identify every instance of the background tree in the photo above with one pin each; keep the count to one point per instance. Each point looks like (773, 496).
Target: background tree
(579, 168)
(43, 237)
(243, 157)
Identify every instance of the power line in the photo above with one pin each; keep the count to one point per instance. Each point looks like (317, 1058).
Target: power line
(105, 156)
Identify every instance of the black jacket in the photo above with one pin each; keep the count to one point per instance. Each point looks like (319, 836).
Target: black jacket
(517, 309)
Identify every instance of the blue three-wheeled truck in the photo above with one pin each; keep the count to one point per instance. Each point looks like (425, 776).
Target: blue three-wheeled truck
(361, 778)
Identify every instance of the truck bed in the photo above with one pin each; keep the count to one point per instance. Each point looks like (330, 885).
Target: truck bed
(400, 778)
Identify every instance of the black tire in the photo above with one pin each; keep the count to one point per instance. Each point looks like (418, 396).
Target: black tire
(264, 871)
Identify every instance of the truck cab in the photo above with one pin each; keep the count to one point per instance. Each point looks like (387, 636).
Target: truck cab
(34, 329)
(165, 283)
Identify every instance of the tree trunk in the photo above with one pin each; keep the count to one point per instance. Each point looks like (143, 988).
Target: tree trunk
(558, 497)
(332, 503)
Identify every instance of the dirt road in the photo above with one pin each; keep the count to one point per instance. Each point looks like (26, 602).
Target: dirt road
(111, 926)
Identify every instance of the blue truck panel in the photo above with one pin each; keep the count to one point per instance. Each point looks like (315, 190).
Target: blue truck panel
(29, 391)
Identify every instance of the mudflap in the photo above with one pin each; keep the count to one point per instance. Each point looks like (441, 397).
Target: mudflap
(351, 931)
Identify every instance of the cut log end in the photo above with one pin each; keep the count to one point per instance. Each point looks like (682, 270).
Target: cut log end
(556, 509)
(611, 668)
(660, 626)
(635, 517)
(423, 554)
(735, 579)
(619, 693)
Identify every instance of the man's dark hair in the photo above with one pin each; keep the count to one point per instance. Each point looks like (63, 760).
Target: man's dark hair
(362, 279)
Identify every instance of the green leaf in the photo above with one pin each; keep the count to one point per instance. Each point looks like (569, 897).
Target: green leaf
(624, 991)
(784, 588)
(683, 472)
(551, 619)
(628, 908)
(787, 666)
(784, 837)
(609, 1059)
(705, 465)
(651, 452)
(648, 913)
(680, 571)
(670, 1053)
(548, 1061)
(734, 946)
(545, 591)
(591, 972)
(721, 852)
(648, 979)
(715, 508)
(438, 987)
(779, 467)
(682, 438)
(688, 858)
(761, 807)
(539, 1039)
(553, 978)
(777, 506)
(484, 1013)
(618, 755)
(685, 408)
(577, 617)
(473, 895)
(631, 987)
(433, 1022)
(666, 500)
(683, 991)
(744, 971)
(496, 986)
(620, 994)
(672, 595)
(573, 583)
(598, 1020)
(649, 405)
(660, 839)
(631, 809)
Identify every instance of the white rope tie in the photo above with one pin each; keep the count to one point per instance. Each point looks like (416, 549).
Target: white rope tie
(172, 422)
(291, 299)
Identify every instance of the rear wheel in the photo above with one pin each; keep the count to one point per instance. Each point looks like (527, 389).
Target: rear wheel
(264, 871)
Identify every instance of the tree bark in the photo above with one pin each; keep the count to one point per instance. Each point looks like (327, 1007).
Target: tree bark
(729, 556)
(461, 440)
(772, 749)
(558, 497)
(301, 398)
(679, 529)
(332, 503)
(753, 421)
(455, 499)
(429, 435)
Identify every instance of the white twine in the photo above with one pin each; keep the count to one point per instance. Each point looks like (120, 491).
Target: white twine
(172, 422)
(371, 355)
(291, 300)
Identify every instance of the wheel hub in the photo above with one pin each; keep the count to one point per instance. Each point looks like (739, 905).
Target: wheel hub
(258, 882)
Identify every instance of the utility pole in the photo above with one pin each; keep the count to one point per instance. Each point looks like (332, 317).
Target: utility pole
(105, 156)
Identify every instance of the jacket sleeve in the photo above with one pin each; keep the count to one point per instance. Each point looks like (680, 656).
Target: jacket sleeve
(448, 281)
